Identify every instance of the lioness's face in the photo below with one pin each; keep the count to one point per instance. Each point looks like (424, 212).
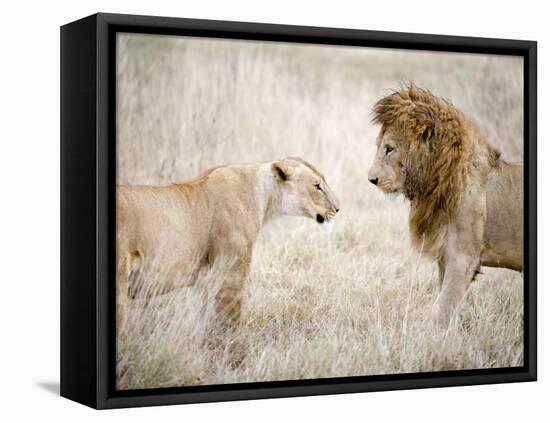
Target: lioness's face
(387, 170)
(304, 191)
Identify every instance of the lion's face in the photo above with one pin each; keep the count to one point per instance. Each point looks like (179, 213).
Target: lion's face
(387, 170)
(304, 191)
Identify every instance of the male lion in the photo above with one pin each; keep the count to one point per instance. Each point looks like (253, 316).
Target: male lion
(174, 231)
(466, 202)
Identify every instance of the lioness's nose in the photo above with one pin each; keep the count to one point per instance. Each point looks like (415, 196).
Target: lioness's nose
(373, 181)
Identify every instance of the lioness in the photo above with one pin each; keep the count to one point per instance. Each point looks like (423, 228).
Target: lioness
(466, 202)
(218, 215)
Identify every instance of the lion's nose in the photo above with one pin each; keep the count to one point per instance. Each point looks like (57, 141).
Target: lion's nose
(373, 181)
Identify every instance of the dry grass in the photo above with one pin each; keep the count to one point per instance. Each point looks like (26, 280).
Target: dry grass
(356, 302)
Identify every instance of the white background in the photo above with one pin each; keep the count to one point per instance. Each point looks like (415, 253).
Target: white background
(29, 274)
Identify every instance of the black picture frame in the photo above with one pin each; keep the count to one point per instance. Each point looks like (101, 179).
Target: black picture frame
(88, 198)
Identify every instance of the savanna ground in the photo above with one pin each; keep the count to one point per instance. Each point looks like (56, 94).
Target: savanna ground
(356, 301)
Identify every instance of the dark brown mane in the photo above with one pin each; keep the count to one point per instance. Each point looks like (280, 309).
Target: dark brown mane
(441, 148)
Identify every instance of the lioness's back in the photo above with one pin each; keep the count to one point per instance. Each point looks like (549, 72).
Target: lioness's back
(161, 220)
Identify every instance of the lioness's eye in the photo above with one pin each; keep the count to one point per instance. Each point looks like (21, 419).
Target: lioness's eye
(318, 186)
(387, 150)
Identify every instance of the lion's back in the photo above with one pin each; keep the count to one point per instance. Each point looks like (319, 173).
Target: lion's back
(503, 233)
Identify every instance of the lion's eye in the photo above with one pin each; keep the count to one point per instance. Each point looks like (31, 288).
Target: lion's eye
(318, 186)
(387, 150)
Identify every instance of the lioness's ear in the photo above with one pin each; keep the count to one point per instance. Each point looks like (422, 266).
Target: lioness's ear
(281, 171)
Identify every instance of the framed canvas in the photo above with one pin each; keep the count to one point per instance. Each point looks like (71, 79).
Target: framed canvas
(256, 211)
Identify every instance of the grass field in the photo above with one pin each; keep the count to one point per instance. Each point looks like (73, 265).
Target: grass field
(353, 302)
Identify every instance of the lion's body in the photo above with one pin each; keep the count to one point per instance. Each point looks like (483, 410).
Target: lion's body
(175, 231)
(503, 229)
(466, 202)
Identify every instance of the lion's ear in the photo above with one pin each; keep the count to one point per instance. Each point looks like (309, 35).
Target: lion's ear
(424, 123)
(427, 130)
(281, 170)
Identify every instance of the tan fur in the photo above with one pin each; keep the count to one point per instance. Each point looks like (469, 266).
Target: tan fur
(175, 231)
(466, 202)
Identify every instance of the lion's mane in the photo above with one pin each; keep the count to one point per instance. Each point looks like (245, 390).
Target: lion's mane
(443, 151)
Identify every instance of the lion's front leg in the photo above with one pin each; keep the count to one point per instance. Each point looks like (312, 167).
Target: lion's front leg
(460, 259)
(440, 271)
(457, 274)
(122, 281)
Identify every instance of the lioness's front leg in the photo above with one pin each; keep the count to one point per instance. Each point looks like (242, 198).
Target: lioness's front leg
(227, 307)
(236, 254)
(229, 297)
